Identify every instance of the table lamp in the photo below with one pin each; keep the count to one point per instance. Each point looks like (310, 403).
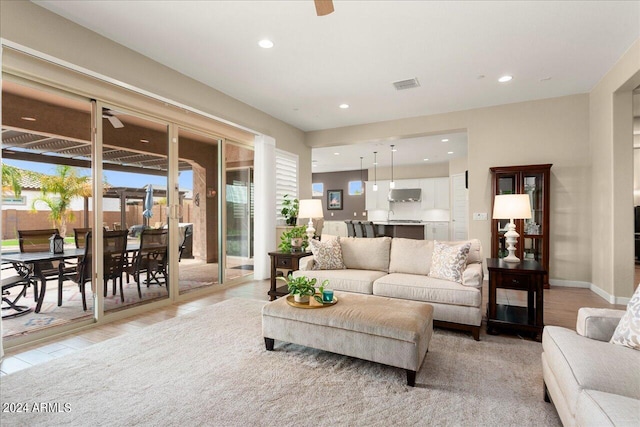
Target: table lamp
(310, 208)
(511, 206)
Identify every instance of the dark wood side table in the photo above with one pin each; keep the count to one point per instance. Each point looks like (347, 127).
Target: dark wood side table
(284, 260)
(526, 275)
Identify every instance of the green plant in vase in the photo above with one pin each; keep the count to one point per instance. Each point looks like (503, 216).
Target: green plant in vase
(294, 238)
(290, 208)
(300, 287)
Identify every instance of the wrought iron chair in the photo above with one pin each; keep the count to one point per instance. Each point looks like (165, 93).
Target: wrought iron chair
(13, 289)
(150, 259)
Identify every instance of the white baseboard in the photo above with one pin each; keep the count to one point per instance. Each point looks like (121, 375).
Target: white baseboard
(611, 299)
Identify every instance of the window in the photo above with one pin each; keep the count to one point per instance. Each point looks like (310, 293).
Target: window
(355, 188)
(317, 189)
(286, 179)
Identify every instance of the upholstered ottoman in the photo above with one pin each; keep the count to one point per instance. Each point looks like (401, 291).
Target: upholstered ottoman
(379, 329)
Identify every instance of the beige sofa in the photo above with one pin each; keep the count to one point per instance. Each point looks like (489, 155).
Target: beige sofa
(399, 268)
(591, 381)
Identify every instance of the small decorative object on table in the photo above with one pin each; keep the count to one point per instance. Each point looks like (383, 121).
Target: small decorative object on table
(56, 244)
(302, 288)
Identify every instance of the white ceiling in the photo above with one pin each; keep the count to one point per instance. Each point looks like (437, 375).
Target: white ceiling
(457, 51)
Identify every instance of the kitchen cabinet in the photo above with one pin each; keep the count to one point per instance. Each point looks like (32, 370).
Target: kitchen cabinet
(435, 193)
(407, 183)
(377, 200)
(437, 230)
(533, 243)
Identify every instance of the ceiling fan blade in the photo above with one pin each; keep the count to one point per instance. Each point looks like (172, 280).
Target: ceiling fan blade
(115, 122)
(323, 7)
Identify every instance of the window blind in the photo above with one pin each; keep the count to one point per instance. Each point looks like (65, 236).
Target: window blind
(286, 179)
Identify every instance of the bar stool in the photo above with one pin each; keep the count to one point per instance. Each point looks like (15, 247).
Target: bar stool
(351, 231)
(359, 229)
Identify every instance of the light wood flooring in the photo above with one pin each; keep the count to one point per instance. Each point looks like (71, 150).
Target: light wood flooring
(560, 308)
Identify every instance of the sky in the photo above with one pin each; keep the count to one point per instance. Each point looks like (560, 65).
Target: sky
(115, 179)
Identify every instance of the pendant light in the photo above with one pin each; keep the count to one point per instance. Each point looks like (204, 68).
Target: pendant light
(361, 181)
(375, 171)
(392, 184)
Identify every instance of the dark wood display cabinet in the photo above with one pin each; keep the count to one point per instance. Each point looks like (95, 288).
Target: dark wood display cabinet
(533, 243)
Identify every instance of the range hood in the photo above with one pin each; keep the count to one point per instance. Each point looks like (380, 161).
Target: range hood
(405, 195)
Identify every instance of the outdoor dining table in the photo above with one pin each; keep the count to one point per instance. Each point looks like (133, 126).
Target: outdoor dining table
(36, 258)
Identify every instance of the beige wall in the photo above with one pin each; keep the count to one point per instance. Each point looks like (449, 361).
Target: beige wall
(611, 135)
(546, 131)
(36, 28)
(459, 165)
(412, 171)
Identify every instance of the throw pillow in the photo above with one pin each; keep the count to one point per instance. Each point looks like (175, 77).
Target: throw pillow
(627, 332)
(327, 255)
(449, 262)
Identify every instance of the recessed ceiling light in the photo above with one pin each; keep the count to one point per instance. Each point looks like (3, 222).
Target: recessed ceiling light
(314, 165)
(449, 152)
(336, 154)
(144, 141)
(545, 79)
(505, 79)
(265, 44)
(29, 119)
(344, 106)
(425, 160)
(445, 140)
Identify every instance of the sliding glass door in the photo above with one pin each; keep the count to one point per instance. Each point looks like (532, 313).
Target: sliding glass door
(239, 210)
(135, 165)
(199, 262)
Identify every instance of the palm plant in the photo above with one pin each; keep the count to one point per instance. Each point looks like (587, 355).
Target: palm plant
(58, 191)
(11, 180)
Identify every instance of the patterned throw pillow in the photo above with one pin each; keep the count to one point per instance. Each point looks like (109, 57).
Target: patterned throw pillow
(627, 332)
(327, 255)
(449, 262)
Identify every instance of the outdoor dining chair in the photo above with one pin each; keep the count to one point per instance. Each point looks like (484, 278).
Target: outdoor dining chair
(38, 241)
(114, 245)
(151, 259)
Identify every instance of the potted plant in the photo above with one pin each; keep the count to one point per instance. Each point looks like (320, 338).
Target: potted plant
(300, 287)
(294, 238)
(290, 208)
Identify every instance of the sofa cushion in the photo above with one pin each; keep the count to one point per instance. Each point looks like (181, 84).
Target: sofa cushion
(627, 332)
(410, 256)
(327, 255)
(581, 363)
(448, 262)
(366, 253)
(359, 281)
(597, 408)
(425, 288)
(475, 251)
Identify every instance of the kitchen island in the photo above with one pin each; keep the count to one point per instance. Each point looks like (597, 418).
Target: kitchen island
(413, 229)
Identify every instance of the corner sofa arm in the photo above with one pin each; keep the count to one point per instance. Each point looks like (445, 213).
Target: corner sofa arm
(473, 275)
(306, 263)
(598, 323)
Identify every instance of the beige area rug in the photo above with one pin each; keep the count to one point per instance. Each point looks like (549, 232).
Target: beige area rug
(210, 367)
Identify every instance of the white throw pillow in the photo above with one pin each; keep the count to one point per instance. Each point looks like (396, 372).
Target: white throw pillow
(449, 262)
(327, 255)
(627, 332)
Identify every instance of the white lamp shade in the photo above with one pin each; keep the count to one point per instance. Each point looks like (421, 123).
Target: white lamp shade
(512, 206)
(310, 208)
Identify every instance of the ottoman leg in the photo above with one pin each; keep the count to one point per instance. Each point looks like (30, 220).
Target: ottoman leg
(411, 378)
(268, 343)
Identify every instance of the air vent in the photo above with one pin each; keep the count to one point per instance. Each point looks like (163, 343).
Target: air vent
(406, 84)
